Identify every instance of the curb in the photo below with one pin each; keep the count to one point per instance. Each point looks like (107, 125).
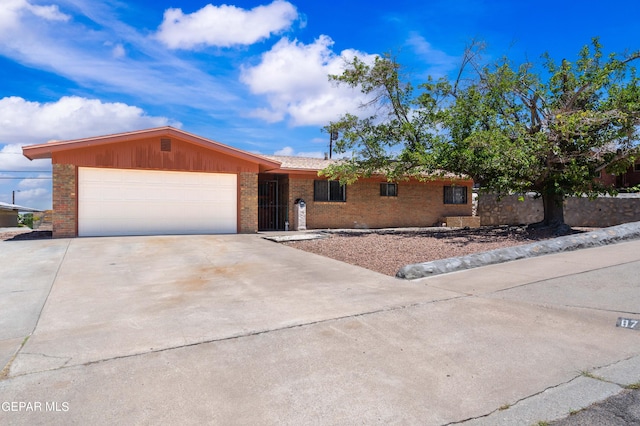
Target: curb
(602, 237)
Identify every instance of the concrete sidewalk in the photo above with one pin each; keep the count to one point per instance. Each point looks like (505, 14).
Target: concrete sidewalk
(239, 330)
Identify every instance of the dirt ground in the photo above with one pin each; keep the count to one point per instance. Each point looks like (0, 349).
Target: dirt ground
(386, 252)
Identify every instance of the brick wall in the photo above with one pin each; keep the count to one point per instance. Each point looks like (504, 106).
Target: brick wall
(417, 204)
(65, 210)
(248, 202)
(625, 180)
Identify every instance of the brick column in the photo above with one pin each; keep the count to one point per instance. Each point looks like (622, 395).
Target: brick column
(65, 202)
(248, 202)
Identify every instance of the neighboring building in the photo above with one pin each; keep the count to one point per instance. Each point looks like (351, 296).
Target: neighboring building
(9, 214)
(626, 180)
(167, 181)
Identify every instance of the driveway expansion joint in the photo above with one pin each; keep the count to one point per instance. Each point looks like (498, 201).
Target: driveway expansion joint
(53, 281)
(514, 404)
(555, 305)
(235, 337)
(573, 274)
(5, 372)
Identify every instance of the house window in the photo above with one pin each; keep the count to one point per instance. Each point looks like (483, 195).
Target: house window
(455, 195)
(388, 189)
(636, 167)
(329, 190)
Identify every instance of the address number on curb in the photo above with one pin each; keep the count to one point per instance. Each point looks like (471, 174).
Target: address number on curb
(633, 324)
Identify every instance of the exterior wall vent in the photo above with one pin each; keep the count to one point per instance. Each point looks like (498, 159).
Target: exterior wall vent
(165, 145)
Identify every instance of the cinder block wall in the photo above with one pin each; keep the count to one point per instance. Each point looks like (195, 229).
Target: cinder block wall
(65, 201)
(417, 204)
(601, 212)
(248, 202)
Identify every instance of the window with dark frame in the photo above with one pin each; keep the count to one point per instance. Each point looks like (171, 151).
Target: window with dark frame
(455, 195)
(388, 189)
(636, 167)
(329, 190)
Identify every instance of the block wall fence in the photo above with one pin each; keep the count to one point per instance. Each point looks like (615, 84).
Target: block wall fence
(601, 212)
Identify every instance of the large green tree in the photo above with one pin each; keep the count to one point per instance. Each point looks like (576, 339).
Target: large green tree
(545, 128)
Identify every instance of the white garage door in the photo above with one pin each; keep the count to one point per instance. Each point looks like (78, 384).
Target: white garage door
(142, 202)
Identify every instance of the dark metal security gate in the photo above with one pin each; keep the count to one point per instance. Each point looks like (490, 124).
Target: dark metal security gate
(269, 211)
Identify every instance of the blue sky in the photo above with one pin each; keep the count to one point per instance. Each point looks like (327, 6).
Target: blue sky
(252, 74)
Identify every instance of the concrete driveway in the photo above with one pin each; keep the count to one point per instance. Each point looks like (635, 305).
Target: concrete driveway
(238, 330)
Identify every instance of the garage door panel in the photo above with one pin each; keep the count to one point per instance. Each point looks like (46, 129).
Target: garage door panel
(142, 202)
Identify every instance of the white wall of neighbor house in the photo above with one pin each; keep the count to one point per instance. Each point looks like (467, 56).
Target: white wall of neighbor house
(145, 202)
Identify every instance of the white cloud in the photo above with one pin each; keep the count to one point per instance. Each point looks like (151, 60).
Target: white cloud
(268, 115)
(50, 13)
(438, 62)
(86, 55)
(118, 51)
(68, 118)
(34, 193)
(37, 198)
(12, 11)
(225, 25)
(287, 150)
(294, 78)
(290, 152)
(40, 180)
(11, 159)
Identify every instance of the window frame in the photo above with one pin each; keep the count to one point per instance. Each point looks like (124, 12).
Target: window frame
(330, 195)
(452, 198)
(384, 189)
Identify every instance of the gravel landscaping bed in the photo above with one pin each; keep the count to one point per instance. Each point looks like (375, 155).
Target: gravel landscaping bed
(386, 252)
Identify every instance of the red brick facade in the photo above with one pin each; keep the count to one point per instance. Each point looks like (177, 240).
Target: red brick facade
(248, 205)
(65, 208)
(417, 204)
(626, 180)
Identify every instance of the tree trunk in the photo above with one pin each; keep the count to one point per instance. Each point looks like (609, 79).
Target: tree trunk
(554, 214)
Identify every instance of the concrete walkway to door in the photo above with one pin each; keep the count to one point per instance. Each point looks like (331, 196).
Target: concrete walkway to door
(234, 329)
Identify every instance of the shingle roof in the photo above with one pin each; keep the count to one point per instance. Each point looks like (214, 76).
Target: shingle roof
(315, 164)
(301, 163)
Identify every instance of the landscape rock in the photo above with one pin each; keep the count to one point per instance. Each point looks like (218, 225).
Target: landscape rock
(611, 235)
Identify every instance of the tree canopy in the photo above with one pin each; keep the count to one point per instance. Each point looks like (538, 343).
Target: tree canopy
(547, 128)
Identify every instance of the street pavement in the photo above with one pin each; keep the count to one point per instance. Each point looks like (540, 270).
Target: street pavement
(234, 329)
(619, 410)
